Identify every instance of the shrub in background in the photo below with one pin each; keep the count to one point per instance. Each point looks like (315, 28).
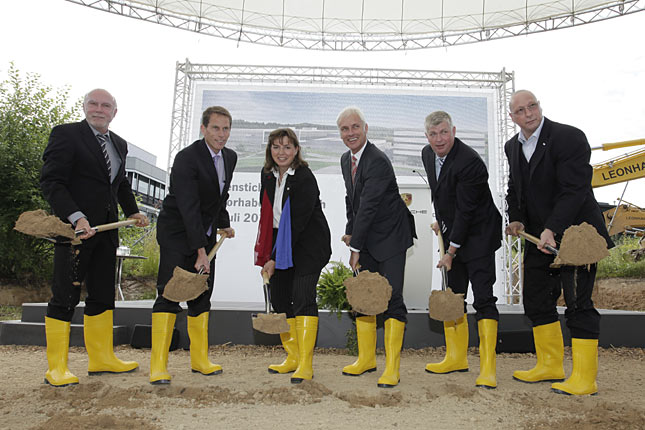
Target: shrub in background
(331, 296)
(620, 264)
(331, 291)
(29, 110)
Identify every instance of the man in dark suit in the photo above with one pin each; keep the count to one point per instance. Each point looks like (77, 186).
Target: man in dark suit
(549, 189)
(192, 213)
(83, 179)
(379, 230)
(471, 229)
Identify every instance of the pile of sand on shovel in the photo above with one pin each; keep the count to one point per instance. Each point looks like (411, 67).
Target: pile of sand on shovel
(581, 245)
(37, 223)
(368, 293)
(184, 285)
(445, 305)
(270, 323)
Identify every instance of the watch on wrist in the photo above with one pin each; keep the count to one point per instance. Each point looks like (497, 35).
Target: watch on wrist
(451, 254)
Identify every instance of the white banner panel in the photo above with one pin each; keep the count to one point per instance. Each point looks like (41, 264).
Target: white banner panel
(396, 126)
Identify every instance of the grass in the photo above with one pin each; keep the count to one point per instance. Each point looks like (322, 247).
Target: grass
(8, 312)
(620, 263)
(147, 268)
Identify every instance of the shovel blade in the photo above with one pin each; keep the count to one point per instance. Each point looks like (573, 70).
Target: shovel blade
(270, 323)
(185, 286)
(446, 305)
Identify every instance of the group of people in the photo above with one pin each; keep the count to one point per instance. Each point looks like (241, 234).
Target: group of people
(83, 178)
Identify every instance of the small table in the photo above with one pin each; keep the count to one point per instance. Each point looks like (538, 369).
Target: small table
(123, 253)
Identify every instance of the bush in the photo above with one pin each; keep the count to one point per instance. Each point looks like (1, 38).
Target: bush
(620, 263)
(141, 241)
(28, 112)
(331, 291)
(331, 296)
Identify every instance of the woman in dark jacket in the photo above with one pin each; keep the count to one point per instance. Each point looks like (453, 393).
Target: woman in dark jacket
(293, 246)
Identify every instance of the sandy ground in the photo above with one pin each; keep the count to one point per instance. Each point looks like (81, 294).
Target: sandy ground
(247, 396)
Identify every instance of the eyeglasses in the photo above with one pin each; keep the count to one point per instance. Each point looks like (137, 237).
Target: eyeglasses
(523, 110)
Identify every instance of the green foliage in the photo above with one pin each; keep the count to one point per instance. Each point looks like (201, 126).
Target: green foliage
(620, 263)
(144, 244)
(331, 291)
(8, 312)
(141, 241)
(29, 110)
(351, 340)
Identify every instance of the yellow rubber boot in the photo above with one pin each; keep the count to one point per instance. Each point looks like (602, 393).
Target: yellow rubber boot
(456, 359)
(366, 337)
(162, 327)
(306, 331)
(198, 334)
(549, 348)
(394, 330)
(290, 344)
(57, 334)
(99, 343)
(585, 369)
(487, 360)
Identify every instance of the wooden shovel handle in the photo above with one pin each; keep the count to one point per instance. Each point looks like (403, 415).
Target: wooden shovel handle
(536, 241)
(219, 243)
(110, 226)
(442, 249)
(442, 252)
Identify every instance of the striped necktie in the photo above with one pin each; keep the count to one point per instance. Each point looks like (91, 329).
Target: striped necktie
(440, 161)
(103, 142)
(354, 167)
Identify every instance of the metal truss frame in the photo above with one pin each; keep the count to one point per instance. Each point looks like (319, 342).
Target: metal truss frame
(360, 41)
(500, 83)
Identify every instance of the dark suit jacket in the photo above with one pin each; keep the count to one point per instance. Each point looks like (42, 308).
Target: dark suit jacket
(377, 217)
(310, 236)
(463, 202)
(74, 177)
(559, 181)
(194, 203)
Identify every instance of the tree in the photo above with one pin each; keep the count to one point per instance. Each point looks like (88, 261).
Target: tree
(28, 111)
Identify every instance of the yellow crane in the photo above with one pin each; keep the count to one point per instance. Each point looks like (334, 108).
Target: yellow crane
(625, 217)
(620, 169)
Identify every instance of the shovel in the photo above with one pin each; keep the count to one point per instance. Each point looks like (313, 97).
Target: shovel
(38, 224)
(568, 288)
(269, 322)
(98, 229)
(445, 305)
(185, 285)
(534, 240)
(368, 293)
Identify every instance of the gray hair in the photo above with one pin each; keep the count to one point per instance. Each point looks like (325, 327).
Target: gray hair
(87, 96)
(350, 110)
(510, 101)
(436, 118)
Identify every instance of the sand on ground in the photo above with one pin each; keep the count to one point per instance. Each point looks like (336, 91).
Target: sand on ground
(246, 396)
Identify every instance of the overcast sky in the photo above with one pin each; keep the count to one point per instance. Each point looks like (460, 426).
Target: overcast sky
(592, 76)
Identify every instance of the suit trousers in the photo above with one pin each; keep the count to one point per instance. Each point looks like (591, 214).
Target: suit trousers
(542, 288)
(294, 294)
(168, 260)
(480, 272)
(94, 262)
(393, 269)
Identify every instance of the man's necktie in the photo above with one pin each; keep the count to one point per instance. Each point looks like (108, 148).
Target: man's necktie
(219, 166)
(354, 167)
(103, 142)
(441, 161)
(218, 161)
